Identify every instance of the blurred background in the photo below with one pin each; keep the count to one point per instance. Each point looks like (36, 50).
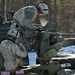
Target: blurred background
(61, 12)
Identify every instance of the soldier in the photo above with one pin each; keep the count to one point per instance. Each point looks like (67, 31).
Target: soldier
(25, 16)
(11, 51)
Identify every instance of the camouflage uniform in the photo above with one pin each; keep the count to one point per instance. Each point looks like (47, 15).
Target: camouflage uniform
(24, 17)
(11, 52)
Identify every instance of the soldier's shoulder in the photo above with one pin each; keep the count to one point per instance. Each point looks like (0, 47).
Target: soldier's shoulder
(32, 6)
(3, 41)
(29, 8)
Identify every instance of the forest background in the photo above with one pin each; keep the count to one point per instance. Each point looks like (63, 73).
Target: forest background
(61, 12)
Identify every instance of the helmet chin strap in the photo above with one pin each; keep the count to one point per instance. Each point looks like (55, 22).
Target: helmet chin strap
(12, 39)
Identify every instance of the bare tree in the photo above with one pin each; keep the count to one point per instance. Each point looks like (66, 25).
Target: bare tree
(55, 15)
(5, 10)
(2, 7)
(9, 5)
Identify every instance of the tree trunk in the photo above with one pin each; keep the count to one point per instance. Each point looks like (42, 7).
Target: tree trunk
(49, 5)
(5, 8)
(9, 5)
(55, 15)
(2, 8)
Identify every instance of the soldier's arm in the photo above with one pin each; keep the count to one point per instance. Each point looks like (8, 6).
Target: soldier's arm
(25, 17)
(19, 51)
(30, 14)
(31, 25)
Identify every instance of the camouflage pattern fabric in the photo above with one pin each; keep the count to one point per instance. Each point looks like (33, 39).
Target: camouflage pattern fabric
(11, 52)
(25, 16)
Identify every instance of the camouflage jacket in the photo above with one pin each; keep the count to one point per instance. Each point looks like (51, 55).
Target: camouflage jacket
(24, 17)
(11, 52)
